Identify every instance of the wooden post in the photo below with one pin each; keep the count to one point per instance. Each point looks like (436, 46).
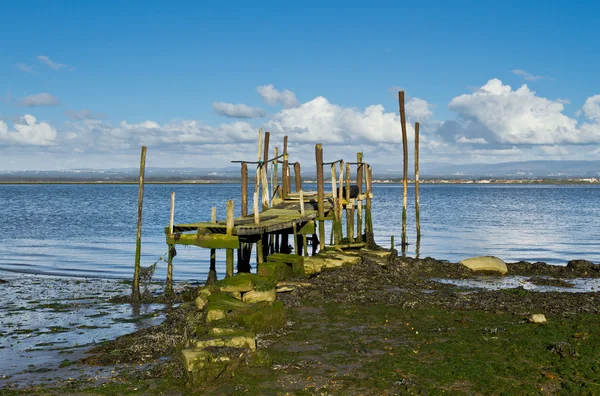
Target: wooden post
(257, 182)
(336, 215)
(359, 182)
(295, 231)
(169, 283)
(349, 207)
(368, 218)
(340, 231)
(212, 271)
(418, 216)
(298, 176)
(265, 181)
(320, 194)
(135, 290)
(244, 189)
(229, 232)
(392, 243)
(405, 162)
(275, 170)
(302, 202)
(285, 172)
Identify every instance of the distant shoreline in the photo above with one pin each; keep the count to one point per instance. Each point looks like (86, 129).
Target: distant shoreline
(375, 181)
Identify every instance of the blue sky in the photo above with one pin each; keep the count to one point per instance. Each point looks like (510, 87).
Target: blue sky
(102, 78)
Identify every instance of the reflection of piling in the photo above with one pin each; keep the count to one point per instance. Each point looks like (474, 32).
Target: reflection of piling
(405, 167)
(169, 284)
(418, 217)
(135, 291)
(320, 195)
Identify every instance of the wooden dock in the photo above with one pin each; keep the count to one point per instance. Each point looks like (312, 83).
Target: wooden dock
(300, 215)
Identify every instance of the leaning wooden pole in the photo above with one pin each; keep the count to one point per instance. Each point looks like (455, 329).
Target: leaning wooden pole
(169, 283)
(320, 195)
(405, 167)
(418, 216)
(135, 290)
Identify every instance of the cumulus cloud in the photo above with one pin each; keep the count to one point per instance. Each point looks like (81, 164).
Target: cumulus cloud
(238, 110)
(520, 116)
(28, 132)
(41, 99)
(274, 97)
(50, 63)
(591, 108)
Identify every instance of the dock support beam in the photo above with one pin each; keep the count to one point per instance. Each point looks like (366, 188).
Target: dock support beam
(212, 272)
(359, 181)
(229, 232)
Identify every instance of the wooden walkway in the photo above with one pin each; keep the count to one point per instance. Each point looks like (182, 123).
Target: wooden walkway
(284, 217)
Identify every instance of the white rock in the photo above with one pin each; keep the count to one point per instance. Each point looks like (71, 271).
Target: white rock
(537, 318)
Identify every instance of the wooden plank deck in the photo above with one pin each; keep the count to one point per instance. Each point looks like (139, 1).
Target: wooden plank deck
(279, 218)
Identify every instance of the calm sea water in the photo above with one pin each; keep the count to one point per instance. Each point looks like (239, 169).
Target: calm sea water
(89, 230)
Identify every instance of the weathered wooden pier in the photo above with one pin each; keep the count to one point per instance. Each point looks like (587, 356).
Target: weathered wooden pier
(283, 214)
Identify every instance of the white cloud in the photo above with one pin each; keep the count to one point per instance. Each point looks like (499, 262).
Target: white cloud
(274, 97)
(591, 108)
(28, 132)
(555, 150)
(238, 110)
(521, 117)
(41, 99)
(50, 63)
(25, 68)
(528, 77)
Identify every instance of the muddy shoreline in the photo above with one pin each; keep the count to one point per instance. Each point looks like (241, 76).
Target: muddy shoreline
(397, 286)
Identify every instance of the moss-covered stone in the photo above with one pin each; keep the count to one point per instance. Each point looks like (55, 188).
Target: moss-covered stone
(238, 339)
(255, 296)
(201, 302)
(262, 283)
(261, 317)
(219, 305)
(486, 263)
(260, 358)
(203, 366)
(294, 263)
(316, 264)
(275, 271)
(238, 283)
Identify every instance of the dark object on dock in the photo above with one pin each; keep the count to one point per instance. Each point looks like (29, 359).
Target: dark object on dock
(354, 190)
(2, 281)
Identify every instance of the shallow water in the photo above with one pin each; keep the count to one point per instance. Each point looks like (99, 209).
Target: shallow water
(45, 320)
(89, 230)
(579, 285)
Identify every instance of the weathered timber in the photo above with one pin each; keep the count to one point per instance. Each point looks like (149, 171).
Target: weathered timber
(169, 282)
(284, 168)
(244, 189)
(417, 214)
(359, 182)
(135, 291)
(265, 181)
(320, 193)
(298, 176)
(405, 164)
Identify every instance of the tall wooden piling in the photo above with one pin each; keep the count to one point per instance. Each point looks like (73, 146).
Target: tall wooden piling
(265, 180)
(169, 283)
(340, 231)
(135, 289)
(285, 171)
(298, 176)
(336, 214)
(229, 232)
(257, 181)
(275, 169)
(418, 216)
(405, 163)
(359, 182)
(244, 189)
(320, 194)
(368, 217)
(349, 207)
